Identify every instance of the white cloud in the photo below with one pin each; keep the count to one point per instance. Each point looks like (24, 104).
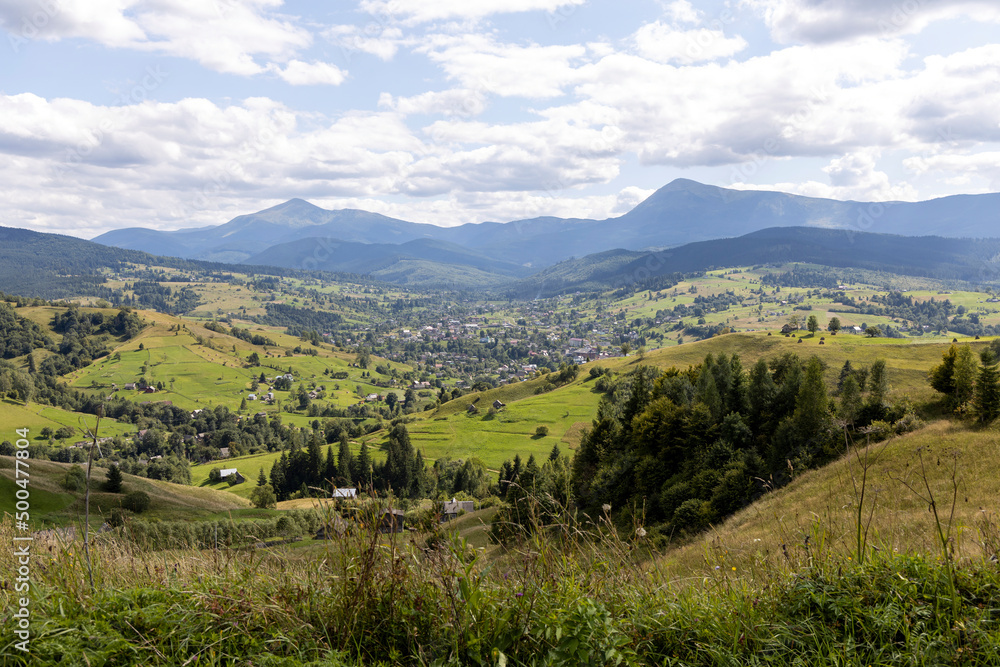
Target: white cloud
(980, 170)
(479, 62)
(821, 21)
(420, 11)
(457, 102)
(664, 43)
(375, 38)
(681, 11)
(222, 35)
(854, 176)
(187, 163)
(104, 21)
(299, 73)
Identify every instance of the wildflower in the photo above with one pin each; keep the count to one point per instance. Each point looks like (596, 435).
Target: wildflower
(734, 568)
(640, 531)
(717, 567)
(606, 507)
(520, 595)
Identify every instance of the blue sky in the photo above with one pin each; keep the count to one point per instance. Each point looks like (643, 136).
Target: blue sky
(183, 113)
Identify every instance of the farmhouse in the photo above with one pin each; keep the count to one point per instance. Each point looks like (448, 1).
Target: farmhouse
(451, 509)
(226, 472)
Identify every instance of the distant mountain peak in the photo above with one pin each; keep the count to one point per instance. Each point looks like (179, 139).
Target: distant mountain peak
(294, 204)
(684, 184)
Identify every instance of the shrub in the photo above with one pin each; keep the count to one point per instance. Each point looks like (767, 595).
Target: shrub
(117, 517)
(214, 475)
(75, 480)
(137, 501)
(263, 497)
(542, 431)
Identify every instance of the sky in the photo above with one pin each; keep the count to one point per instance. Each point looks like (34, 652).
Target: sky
(169, 114)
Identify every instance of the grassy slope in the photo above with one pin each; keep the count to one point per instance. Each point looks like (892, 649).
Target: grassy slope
(822, 504)
(196, 376)
(53, 504)
(35, 417)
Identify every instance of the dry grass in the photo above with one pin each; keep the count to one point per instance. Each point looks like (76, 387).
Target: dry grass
(822, 505)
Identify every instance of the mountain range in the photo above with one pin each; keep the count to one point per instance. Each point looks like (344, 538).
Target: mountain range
(684, 227)
(296, 233)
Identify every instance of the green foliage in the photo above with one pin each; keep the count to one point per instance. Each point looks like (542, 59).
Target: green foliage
(263, 497)
(541, 431)
(694, 446)
(19, 336)
(986, 399)
(75, 479)
(136, 501)
(114, 482)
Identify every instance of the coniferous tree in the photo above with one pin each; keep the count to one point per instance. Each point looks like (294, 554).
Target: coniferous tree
(964, 379)
(362, 473)
(761, 394)
(314, 471)
(261, 478)
(850, 399)
(986, 398)
(115, 479)
(942, 376)
(878, 383)
(345, 460)
(329, 466)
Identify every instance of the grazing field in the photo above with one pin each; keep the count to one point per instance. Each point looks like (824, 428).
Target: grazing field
(496, 438)
(53, 504)
(35, 417)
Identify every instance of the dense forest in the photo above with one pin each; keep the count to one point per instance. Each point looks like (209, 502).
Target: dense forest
(684, 448)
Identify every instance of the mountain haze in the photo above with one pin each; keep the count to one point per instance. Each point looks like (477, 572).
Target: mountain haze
(683, 211)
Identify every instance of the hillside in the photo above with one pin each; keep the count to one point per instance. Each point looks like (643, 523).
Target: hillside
(423, 262)
(823, 504)
(52, 503)
(54, 266)
(973, 260)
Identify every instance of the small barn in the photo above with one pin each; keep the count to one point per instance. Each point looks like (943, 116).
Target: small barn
(344, 493)
(336, 527)
(451, 509)
(498, 405)
(227, 472)
(391, 521)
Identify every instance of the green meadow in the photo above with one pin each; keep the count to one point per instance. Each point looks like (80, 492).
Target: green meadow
(35, 417)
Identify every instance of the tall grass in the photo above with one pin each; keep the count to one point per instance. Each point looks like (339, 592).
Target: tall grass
(578, 593)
